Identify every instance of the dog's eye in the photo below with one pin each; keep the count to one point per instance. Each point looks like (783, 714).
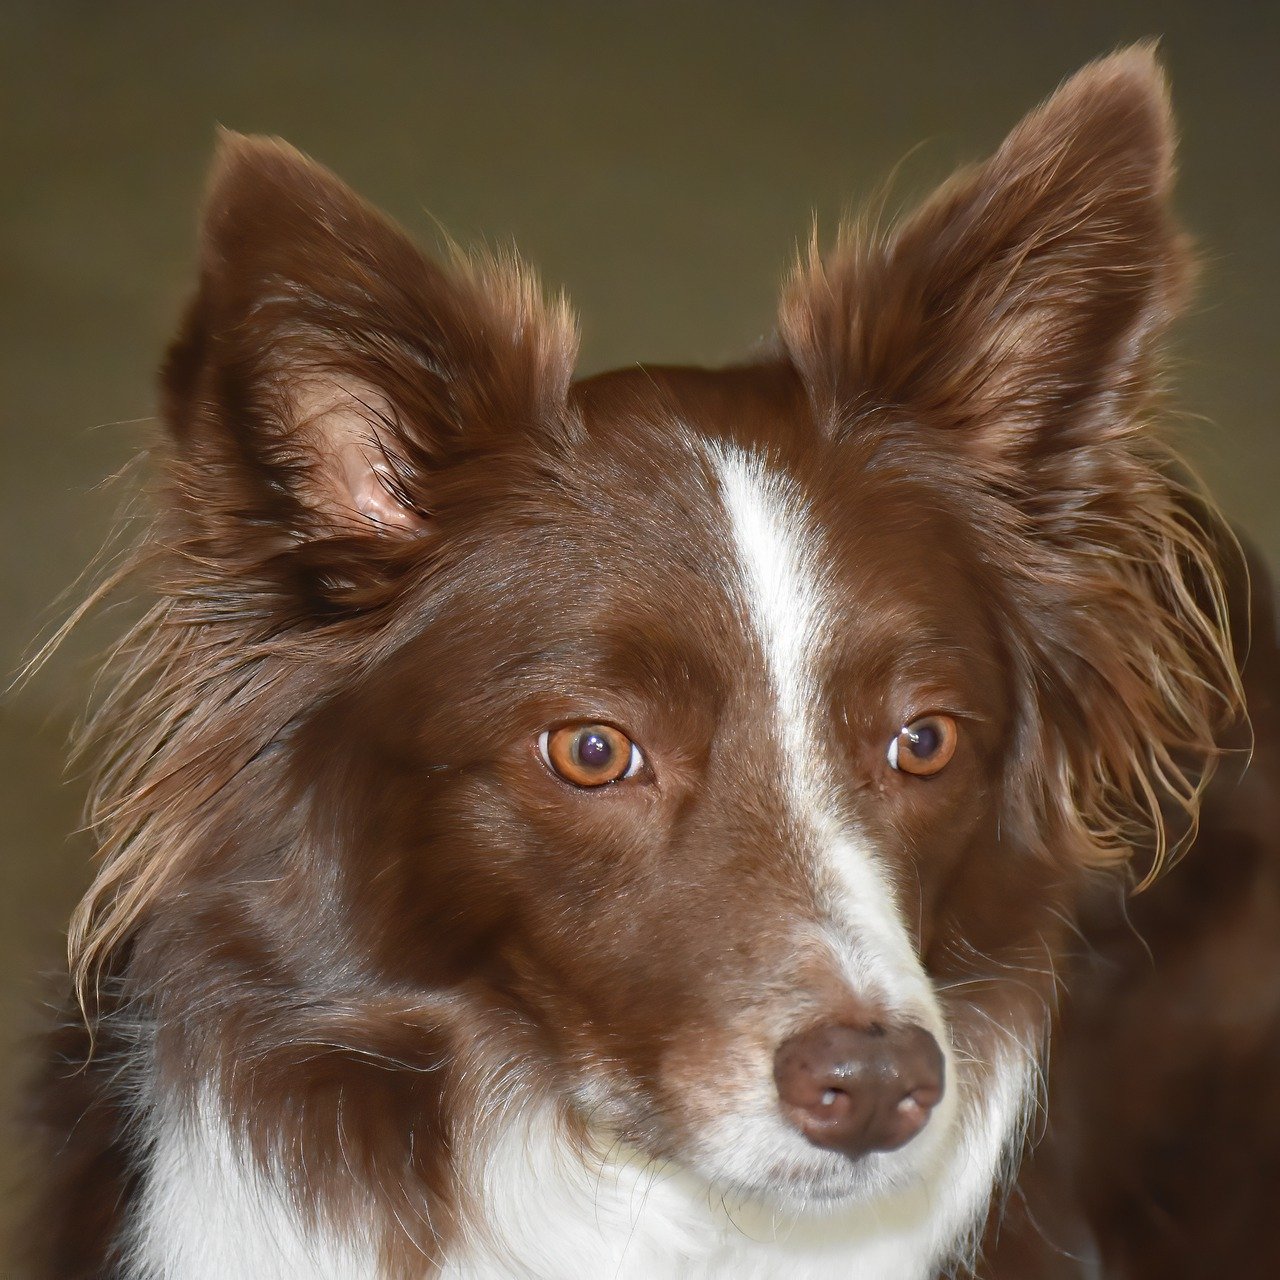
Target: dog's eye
(590, 755)
(924, 746)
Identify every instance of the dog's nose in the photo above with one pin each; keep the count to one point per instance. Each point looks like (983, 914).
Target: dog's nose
(857, 1091)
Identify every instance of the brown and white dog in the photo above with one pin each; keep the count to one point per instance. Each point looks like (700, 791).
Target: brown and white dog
(633, 828)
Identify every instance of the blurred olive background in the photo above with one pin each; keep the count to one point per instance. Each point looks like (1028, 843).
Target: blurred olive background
(659, 162)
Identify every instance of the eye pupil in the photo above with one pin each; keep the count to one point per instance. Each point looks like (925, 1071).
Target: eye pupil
(594, 750)
(925, 740)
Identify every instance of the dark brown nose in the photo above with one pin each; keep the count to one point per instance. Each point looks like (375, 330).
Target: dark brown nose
(858, 1091)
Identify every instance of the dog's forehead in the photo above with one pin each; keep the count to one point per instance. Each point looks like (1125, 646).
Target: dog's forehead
(693, 537)
(718, 493)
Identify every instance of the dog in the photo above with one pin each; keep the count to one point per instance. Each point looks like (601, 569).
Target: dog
(650, 825)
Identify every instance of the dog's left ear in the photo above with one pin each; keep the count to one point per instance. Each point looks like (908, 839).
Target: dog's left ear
(1021, 301)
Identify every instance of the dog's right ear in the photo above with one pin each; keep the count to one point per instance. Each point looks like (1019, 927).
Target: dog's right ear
(327, 369)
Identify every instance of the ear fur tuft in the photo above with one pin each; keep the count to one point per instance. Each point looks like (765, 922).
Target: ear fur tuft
(1026, 290)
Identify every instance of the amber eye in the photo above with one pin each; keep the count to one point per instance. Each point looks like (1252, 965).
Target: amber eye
(590, 755)
(924, 746)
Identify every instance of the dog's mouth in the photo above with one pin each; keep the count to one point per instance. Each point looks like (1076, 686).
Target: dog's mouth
(760, 1158)
(828, 1185)
(829, 1117)
(815, 1184)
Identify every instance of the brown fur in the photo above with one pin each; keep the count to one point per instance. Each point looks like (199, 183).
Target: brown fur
(328, 848)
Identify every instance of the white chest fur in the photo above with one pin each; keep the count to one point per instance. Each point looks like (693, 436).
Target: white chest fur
(207, 1213)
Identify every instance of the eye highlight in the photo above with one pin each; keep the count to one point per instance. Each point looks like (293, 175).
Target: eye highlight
(590, 755)
(925, 746)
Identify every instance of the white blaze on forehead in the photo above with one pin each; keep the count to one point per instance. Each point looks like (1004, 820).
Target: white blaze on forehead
(778, 564)
(782, 567)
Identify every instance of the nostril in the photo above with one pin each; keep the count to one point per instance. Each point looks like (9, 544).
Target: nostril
(830, 1112)
(833, 1104)
(857, 1091)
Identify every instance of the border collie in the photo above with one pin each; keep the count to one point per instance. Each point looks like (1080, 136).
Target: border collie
(631, 828)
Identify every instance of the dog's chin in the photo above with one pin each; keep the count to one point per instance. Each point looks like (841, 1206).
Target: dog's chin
(803, 1188)
(810, 1182)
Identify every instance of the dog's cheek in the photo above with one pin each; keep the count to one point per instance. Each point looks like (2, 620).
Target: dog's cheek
(609, 964)
(934, 840)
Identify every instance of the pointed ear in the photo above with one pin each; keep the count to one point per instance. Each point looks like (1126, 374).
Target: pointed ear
(326, 368)
(1022, 300)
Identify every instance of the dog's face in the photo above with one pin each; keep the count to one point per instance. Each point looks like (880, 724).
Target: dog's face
(664, 802)
(718, 753)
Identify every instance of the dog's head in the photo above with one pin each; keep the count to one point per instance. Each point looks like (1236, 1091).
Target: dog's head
(719, 752)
